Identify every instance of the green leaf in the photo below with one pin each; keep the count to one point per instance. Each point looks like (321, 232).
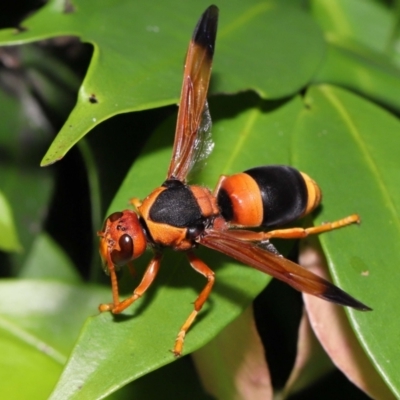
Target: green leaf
(24, 184)
(52, 80)
(8, 235)
(39, 322)
(47, 260)
(139, 48)
(360, 37)
(20, 363)
(367, 22)
(113, 351)
(362, 71)
(358, 143)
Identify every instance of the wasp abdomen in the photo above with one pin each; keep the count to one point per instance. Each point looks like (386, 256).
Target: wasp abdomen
(267, 196)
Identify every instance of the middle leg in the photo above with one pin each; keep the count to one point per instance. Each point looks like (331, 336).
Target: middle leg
(203, 269)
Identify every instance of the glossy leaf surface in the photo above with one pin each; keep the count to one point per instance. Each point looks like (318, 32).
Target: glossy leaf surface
(139, 48)
(8, 236)
(358, 143)
(39, 322)
(361, 54)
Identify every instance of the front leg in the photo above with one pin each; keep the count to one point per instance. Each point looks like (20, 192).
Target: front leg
(136, 203)
(116, 306)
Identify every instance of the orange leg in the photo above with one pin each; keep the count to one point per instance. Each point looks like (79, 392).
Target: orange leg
(294, 233)
(203, 269)
(114, 283)
(218, 185)
(116, 306)
(135, 202)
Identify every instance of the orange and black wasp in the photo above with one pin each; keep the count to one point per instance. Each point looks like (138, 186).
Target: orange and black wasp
(182, 216)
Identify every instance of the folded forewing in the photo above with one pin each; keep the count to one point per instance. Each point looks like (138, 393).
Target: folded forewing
(192, 105)
(277, 266)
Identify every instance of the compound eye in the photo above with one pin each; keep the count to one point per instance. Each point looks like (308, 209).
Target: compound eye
(123, 256)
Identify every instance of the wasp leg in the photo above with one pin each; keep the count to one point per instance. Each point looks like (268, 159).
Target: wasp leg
(294, 233)
(114, 285)
(116, 307)
(203, 269)
(135, 202)
(298, 233)
(218, 185)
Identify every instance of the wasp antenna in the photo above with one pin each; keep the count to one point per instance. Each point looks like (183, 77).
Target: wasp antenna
(206, 30)
(334, 294)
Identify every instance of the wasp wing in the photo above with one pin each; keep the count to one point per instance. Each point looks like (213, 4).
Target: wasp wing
(279, 267)
(193, 118)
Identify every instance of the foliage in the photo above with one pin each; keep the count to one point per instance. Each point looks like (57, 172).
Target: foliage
(311, 84)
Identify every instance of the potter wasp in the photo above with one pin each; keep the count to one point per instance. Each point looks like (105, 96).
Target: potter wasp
(183, 216)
